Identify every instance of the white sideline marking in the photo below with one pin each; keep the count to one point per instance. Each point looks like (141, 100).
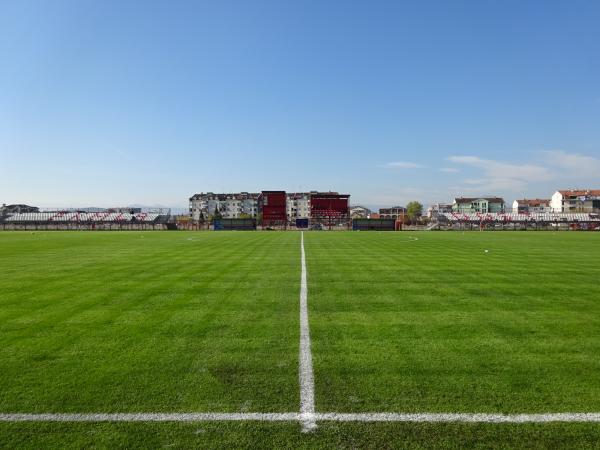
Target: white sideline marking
(150, 417)
(307, 382)
(294, 416)
(459, 417)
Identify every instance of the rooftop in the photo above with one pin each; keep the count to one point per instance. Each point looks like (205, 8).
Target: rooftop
(534, 202)
(461, 200)
(580, 192)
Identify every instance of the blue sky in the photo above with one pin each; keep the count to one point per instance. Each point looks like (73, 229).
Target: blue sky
(114, 103)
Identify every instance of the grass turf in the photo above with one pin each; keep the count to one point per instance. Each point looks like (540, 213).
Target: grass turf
(129, 322)
(287, 435)
(430, 322)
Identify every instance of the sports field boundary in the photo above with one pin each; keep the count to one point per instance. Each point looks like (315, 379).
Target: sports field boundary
(307, 416)
(300, 417)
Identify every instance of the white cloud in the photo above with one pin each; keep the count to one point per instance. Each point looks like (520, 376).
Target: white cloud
(495, 186)
(573, 164)
(404, 165)
(448, 170)
(497, 169)
(475, 181)
(534, 173)
(501, 176)
(553, 169)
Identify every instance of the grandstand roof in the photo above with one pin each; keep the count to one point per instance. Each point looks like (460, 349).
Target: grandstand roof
(328, 194)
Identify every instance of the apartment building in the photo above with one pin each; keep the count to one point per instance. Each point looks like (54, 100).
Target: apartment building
(231, 206)
(576, 200)
(531, 205)
(478, 205)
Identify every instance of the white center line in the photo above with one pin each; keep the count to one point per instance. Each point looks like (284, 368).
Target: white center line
(307, 382)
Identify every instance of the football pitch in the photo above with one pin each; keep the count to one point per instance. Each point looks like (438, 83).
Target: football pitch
(235, 339)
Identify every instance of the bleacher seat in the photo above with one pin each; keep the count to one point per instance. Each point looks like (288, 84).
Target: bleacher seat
(521, 217)
(76, 217)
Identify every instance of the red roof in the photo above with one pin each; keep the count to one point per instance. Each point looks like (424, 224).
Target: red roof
(580, 192)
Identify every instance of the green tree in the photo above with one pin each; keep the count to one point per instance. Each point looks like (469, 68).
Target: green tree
(414, 210)
(217, 215)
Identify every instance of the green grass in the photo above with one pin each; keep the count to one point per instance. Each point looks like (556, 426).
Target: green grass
(438, 325)
(192, 322)
(288, 436)
(129, 322)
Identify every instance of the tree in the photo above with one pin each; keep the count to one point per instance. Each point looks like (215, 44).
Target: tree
(217, 215)
(414, 210)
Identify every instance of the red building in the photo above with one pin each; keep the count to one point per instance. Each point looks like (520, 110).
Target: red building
(273, 207)
(330, 209)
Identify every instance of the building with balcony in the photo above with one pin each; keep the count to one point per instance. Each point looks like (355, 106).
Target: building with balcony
(392, 213)
(576, 200)
(482, 205)
(231, 206)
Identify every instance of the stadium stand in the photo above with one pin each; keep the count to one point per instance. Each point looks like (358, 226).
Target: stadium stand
(81, 217)
(522, 217)
(521, 221)
(65, 220)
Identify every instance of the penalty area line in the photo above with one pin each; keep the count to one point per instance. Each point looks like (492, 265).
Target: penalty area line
(295, 417)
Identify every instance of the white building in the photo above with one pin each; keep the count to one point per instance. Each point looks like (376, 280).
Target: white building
(576, 200)
(359, 212)
(298, 206)
(531, 205)
(438, 208)
(231, 206)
